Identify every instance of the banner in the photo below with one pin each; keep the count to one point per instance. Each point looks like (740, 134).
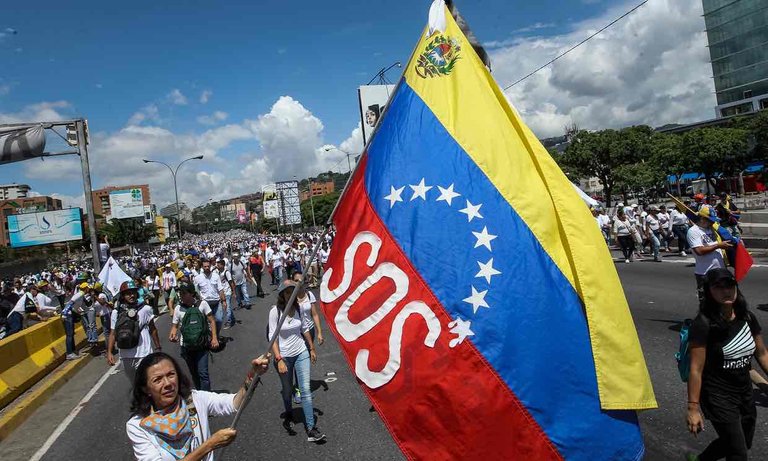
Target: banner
(372, 99)
(112, 276)
(127, 203)
(17, 144)
(471, 293)
(45, 227)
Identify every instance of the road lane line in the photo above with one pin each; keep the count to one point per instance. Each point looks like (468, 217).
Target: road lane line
(72, 415)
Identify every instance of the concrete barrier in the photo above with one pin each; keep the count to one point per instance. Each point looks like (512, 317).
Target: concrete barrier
(31, 354)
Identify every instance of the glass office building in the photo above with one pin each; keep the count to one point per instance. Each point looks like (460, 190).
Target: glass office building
(737, 31)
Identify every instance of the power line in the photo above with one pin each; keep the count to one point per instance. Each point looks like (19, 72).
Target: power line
(580, 43)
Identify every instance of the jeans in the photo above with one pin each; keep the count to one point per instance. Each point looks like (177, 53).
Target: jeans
(241, 293)
(655, 244)
(218, 314)
(69, 330)
(278, 273)
(14, 324)
(301, 364)
(230, 310)
(89, 323)
(106, 326)
(681, 232)
(197, 362)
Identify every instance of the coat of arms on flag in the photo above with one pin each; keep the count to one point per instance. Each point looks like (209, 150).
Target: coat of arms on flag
(469, 289)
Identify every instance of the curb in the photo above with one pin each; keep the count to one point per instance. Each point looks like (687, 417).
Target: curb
(22, 408)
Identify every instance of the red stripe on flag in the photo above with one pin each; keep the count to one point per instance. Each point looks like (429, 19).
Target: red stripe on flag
(442, 402)
(743, 261)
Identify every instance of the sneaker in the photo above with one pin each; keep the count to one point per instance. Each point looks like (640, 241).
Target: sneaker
(626, 261)
(296, 395)
(682, 253)
(73, 356)
(226, 326)
(314, 435)
(658, 260)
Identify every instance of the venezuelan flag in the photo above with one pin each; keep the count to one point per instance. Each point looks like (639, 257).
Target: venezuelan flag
(468, 286)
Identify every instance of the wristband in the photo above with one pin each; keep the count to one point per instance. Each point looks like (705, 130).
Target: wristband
(696, 403)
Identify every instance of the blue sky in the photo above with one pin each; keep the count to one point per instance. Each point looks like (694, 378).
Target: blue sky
(209, 76)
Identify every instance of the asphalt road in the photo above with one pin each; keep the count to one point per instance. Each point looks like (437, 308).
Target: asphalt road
(661, 295)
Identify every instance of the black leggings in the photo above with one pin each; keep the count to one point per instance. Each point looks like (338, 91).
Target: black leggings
(627, 244)
(734, 439)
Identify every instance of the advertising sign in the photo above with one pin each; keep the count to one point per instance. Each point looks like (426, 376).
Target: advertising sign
(270, 204)
(289, 203)
(373, 99)
(127, 203)
(47, 227)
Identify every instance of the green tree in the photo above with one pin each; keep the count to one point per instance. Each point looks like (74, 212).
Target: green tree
(668, 155)
(128, 231)
(716, 150)
(323, 205)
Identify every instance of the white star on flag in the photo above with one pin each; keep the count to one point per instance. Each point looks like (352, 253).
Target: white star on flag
(487, 270)
(419, 190)
(447, 194)
(477, 299)
(461, 328)
(394, 195)
(484, 238)
(472, 211)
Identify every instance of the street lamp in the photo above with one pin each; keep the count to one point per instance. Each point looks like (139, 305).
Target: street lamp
(348, 154)
(311, 203)
(175, 187)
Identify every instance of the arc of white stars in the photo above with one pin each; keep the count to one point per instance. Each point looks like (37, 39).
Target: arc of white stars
(394, 195)
(461, 328)
(477, 299)
(419, 190)
(447, 195)
(472, 211)
(487, 270)
(484, 238)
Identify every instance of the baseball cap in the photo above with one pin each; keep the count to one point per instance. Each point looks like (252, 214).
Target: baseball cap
(719, 276)
(84, 286)
(707, 211)
(634, 205)
(186, 287)
(128, 285)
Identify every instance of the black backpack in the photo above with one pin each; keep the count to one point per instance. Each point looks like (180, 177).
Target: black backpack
(127, 329)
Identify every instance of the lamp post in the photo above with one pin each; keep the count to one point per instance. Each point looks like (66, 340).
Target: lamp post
(311, 203)
(348, 154)
(175, 187)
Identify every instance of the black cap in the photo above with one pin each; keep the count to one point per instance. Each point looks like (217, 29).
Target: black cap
(720, 275)
(186, 287)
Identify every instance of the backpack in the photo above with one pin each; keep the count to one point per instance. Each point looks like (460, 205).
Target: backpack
(683, 356)
(194, 329)
(127, 329)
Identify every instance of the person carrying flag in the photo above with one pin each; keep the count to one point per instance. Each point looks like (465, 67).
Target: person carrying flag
(705, 246)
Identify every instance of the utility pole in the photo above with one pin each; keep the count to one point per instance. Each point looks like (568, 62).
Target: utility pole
(82, 146)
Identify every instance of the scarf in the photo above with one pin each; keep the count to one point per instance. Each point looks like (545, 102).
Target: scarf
(173, 429)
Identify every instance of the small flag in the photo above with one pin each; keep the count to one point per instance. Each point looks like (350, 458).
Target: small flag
(470, 291)
(112, 276)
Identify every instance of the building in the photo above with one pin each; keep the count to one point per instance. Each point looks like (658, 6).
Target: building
(11, 191)
(316, 189)
(24, 205)
(101, 206)
(737, 32)
(170, 211)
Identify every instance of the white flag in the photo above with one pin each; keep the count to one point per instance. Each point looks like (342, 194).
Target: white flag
(111, 276)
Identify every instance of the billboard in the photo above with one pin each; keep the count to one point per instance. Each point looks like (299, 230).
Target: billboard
(46, 227)
(127, 203)
(373, 99)
(270, 204)
(288, 202)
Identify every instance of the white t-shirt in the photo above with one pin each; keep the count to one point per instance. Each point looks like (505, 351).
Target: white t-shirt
(678, 218)
(179, 311)
(44, 302)
(101, 305)
(323, 256)
(652, 223)
(290, 339)
(621, 228)
(698, 237)
(145, 444)
(238, 271)
(209, 286)
(145, 340)
(153, 283)
(664, 221)
(306, 309)
(103, 251)
(226, 277)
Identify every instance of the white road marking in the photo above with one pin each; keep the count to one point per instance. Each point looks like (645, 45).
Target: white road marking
(72, 415)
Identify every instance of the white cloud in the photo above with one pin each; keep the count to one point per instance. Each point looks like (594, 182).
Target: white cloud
(5, 89)
(41, 112)
(149, 113)
(177, 97)
(205, 96)
(651, 68)
(213, 119)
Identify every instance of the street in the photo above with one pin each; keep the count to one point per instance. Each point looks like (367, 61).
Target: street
(661, 295)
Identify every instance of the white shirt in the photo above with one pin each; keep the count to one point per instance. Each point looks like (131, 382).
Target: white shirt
(153, 283)
(145, 444)
(226, 277)
(145, 340)
(19, 306)
(664, 221)
(306, 309)
(698, 237)
(290, 338)
(169, 280)
(179, 311)
(621, 228)
(209, 286)
(653, 223)
(44, 302)
(324, 256)
(678, 218)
